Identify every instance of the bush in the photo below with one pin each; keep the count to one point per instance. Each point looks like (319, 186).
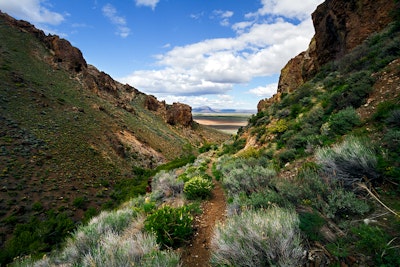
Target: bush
(198, 188)
(172, 226)
(393, 120)
(310, 224)
(166, 184)
(343, 203)
(36, 236)
(246, 178)
(344, 121)
(349, 162)
(258, 238)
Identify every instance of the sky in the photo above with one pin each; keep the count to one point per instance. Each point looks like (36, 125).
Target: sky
(216, 53)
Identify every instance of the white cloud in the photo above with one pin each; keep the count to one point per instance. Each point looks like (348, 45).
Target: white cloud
(264, 91)
(34, 11)
(260, 47)
(110, 12)
(287, 8)
(223, 16)
(149, 3)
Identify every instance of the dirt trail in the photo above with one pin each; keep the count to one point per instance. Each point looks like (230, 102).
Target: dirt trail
(197, 253)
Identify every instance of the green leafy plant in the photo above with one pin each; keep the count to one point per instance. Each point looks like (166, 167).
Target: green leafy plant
(344, 203)
(310, 224)
(198, 188)
(172, 226)
(343, 121)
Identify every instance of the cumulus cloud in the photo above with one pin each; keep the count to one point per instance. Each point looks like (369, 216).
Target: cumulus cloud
(110, 12)
(287, 8)
(264, 91)
(215, 65)
(32, 10)
(148, 3)
(260, 47)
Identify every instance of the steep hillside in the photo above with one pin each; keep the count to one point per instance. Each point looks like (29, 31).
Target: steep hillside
(70, 134)
(332, 134)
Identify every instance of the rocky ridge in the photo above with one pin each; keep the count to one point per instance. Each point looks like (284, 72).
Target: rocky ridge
(339, 26)
(70, 58)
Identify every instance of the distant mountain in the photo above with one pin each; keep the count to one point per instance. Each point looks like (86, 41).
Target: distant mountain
(207, 109)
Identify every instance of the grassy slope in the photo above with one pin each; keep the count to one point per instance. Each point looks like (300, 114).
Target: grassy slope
(58, 149)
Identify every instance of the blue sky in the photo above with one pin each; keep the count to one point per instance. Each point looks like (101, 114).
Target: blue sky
(217, 53)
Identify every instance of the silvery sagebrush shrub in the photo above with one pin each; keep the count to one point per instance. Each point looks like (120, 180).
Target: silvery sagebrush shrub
(348, 162)
(247, 179)
(258, 238)
(165, 184)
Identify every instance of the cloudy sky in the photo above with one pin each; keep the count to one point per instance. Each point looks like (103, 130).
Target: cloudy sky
(217, 53)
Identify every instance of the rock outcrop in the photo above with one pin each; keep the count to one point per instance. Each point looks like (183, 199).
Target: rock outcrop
(64, 54)
(179, 114)
(339, 27)
(70, 58)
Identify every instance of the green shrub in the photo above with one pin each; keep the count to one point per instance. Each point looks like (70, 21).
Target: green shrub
(393, 119)
(258, 200)
(348, 162)
(172, 226)
(344, 203)
(240, 177)
(198, 188)
(310, 224)
(344, 121)
(258, 238)
(287, 156)
(217, 173)
(36, 236)
(80, 202)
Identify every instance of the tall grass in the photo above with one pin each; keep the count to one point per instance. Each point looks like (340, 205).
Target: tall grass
(258, 238)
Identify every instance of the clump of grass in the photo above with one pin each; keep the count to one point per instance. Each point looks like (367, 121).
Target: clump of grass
(258, 238)
(348, 162)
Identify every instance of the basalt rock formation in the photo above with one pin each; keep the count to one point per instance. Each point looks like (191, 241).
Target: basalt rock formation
(339, 27)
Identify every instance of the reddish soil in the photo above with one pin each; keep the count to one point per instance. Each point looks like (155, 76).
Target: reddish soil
(197, 253)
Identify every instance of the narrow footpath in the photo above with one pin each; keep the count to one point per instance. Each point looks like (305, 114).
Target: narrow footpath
(197, 253)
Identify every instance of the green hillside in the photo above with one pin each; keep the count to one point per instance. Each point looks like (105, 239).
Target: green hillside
(68, 151)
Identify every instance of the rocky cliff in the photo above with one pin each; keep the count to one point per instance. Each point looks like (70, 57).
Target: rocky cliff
(70, 58)
(339, 27)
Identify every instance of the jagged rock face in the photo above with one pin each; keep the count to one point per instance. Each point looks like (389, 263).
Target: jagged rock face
(151, 103)
(64, 54)
(340, 25)
(298, 70)
(179, 114)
